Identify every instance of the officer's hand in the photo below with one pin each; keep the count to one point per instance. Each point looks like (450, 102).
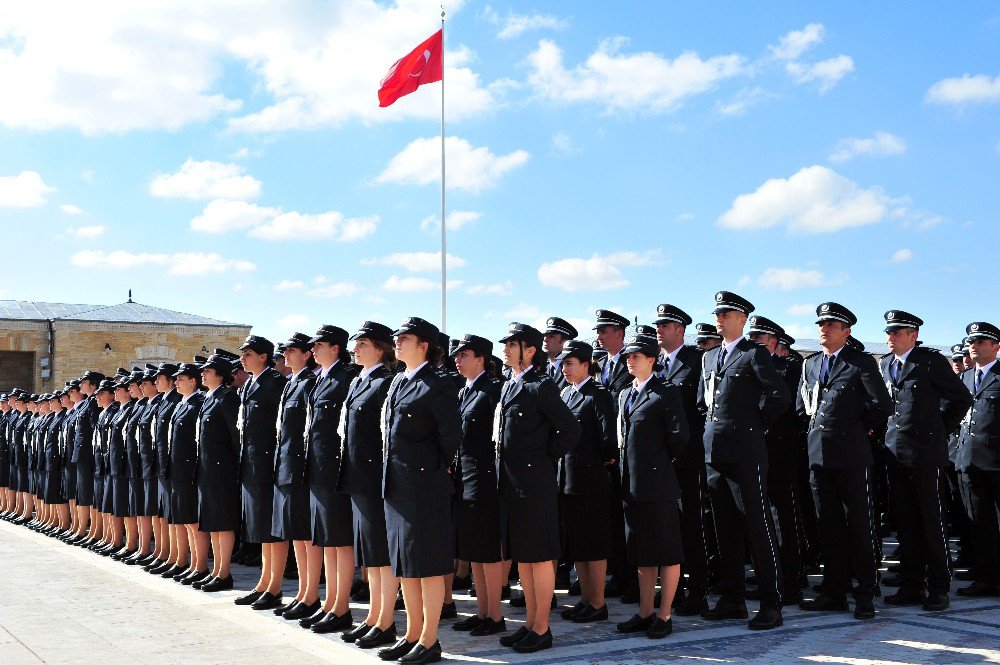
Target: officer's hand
(610, 462)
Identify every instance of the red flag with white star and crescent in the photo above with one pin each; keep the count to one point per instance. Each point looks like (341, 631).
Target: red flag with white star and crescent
(421, 65)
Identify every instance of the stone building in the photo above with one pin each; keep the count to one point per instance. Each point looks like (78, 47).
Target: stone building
(43, 345)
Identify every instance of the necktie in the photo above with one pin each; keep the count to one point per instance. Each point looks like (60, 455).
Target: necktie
(462, 394)
(896, 366)
(722, 358)
(629, 400)
(978, 380)
(552, 370)
(399, 388)
(827, 367)
(666, 365)
(608, 370)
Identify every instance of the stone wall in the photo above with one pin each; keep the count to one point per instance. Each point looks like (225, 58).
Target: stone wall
(27, 336)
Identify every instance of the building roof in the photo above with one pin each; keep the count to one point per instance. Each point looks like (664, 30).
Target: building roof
(126, 312)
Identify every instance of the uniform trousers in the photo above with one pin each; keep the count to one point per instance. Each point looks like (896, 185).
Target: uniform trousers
(691, 481)
(981, 495)
(618, 563)
(739, 502)
(783, 492)
(847, 529)
(915, 500)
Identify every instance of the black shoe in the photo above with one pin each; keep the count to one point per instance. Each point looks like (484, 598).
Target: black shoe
(397, 650)
(904, 597)
(449, 611)
(200, 582)
(266, 601)
(964, 575)
(160, 569)
(252, 560)
(250, 598)
(123, 553)
(660, 629)
(824, 603)
(172, 572)
(377, 637)
(361, 594)
(505, 592)
(590, 614)
(725, 610)
(193, 576)
(489, 627)
(134, 559)
(313, 619)
(218, 584)
(562, 578)
(864, 609)
(533, 642)
(692, 606)
(517, 599)
(631, 595)
(636, 624)
(331, 623)
(146, 560)
(936, 601)
(287, 607)
(574, 589)
(301, 611)
(356, 633)
(421, 654)
(467, 623)
(400, 603)
(152, 563)
(979, 590)
(766, 619)
(568, 614)
(460, 583)
(509, 640)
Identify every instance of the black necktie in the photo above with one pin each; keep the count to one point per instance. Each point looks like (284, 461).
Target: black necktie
(629, 400)
(978, 381)
(462, 394)
(399, 388)
(722, 358)
(666, 365)
(897, 366)
(827, 368)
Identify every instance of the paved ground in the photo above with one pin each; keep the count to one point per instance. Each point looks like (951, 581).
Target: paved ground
(66, 605)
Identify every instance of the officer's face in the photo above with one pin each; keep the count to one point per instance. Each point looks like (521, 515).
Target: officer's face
(467, 364)
(148, 388)
(640, 365)
(969, 362)
(325, 353)
(66, 401)
(611, 338)
(669, 335)
(186, 385)
(135, 390)
(366, 354)
(296, 358)
(253, 362)
(410, 349)
(121, 395)
(574, 370)
(211, 378)
(833, 334)
(75, 396)
(983, 351)
(767, 341)
(781, 350)
(709, 343)
(105, 398)
(163, 384)
(87, 387)
(729, 323)
(901, 340)
(958, 365)
(552, 344)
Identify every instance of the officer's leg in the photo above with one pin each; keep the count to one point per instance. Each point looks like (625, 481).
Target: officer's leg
(751, 484)
(854, 492)
(935, 532)
(903, 505)
(693, 531)
(833, 531)
(781, 490)
(729, 533)
(981, 490)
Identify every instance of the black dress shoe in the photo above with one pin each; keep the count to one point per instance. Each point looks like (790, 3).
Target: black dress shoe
(936, 601)
(287, 607)
(172, 572)
(217, 584)
(421, 654)
(864, 609)
(636, 624)
(692, 606)
(460, 583)
(509, 640)
(979, 590)
(313, 619)
(904, 597)
(489, 627)
(160, 569)
(200, 582)
(824, 603)
(155, 563)
(449, 611)
(267, 601)
(724, 610)
(574, 589)
(250, 598)
(192, 577)
(332, 623)
(660, 629)
(133, 559)
(302, 610)
(377, 637)
(397, 650)
(356, 633)
(568, 614)
(400, 603)
(146, 559)
(517, 599)
(467, 623)
(533, 642)
(361, 595)
(766, 619)
(123, 553)
(590, 614)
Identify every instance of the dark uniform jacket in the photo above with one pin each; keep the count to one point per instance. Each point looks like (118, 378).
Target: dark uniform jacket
(930, 401)
(102, 439)
(748, 397)
(554, 372)
(684, 372)
(218, 438)
(842, 411)
(651, 435)
(581, 471)
(290, 453)
(52, 453)
(145, 435)
(259, 399)
(620, 377)
(785, 432)
(117, 445)
(477, 471)
(979, 438)
(422, 433)
(323, 442)
(132, 437)
(83, 434)
(534, 427)
(67, 435)
(361, 467)
(161, 431)
(181, 442)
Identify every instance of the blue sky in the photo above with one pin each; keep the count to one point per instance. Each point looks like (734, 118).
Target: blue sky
(229, 159)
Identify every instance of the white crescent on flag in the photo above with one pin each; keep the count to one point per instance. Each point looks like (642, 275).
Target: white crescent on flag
(427, 59)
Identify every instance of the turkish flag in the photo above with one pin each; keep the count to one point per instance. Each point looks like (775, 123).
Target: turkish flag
(423, 64)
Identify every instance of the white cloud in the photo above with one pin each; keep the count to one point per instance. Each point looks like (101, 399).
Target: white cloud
(415, 261)
(187, 264)
(813, 200)
(979, 89)
(825, 73)
(206, 180)
(598, 273)
(563, 142)
(468, 168)
(454, 221)
(294, 321)
(289, 285)
(788, 279)
(504, 289)
(24, 190)
(522, 311)
(619, 81)
(222, 216)
(741, 101)
(415, 284)
(86, 232)
(70, 209)
(328, 226)
(797, 42)
(882, 143)
(514, 25)
(804, 309)
(901, 256)
(334, 290)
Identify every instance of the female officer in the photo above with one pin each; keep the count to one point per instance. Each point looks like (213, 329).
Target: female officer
(182, 447)
(331, 517)
(146, 512)
(533, 428)
(422, 431)
(166, 539)
(361, 478)
(119, 470)
(137, 489)
(584, 487)
(105, 399)
(477, 512)
(218, 471)
(652, 431)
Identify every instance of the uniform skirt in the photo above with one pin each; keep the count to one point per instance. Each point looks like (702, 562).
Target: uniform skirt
(120, 506)
(5, 475)
(183, 503)
(653, 533)
(290, 518)
(477, 529)
(529, 529)
(22, 478)
(421, 536)
(218, 508)
(98, 493)
(136, 497)
(258, 505)
(163, 498)
(108, 495)
(150, 498)
(84, 485)
(69, 481)
(331, 517)
(54, 487)
(586, 527)
(371, 546)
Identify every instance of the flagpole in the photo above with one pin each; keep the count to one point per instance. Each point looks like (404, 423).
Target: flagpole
(444, 243)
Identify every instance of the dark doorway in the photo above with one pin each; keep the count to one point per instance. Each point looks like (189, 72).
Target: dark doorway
(17, 370)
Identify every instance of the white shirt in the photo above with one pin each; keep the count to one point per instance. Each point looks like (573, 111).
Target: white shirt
(329, 369)
(577, 386)
(730, 346)
(410, 375)
(521, 375)
(187, 397)
(639, 386)
(295, 375)
(986, 368)
(211, 392)
(365, 372)
(469, 382)
(902, 358)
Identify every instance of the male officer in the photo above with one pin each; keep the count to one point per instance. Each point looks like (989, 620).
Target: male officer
(708, 337)
(929, 401)
(742, 395)
(958, 358)
(978, 457)
(557, 332)
(842, 395)
(681, 367)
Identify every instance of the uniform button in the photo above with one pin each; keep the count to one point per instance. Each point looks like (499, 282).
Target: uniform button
(529, 466)
(421, 468)
(718, 392)
(409, 415)
(822, 413)
(715, 418)
(896, 414)
(822, 426)
(897, 426)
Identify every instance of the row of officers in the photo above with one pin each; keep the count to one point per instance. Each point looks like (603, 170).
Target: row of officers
(397, 458)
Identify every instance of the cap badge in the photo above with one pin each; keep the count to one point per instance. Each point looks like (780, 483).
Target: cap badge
(890, 316)
(512, 327)
(974, 326)
(550, 322)
(826, 307)
(718, 296)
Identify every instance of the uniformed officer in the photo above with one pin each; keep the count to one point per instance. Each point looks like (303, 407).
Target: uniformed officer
(929, 401)
(958, 352)
(557, 332)
(708, 337)
(978, 457)
(5, 493)
(167, 546)
(103, 486)
(742, 395)
(842, 395)
(83, 456)
(147, 509)
(182, 444)
(118, 470)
